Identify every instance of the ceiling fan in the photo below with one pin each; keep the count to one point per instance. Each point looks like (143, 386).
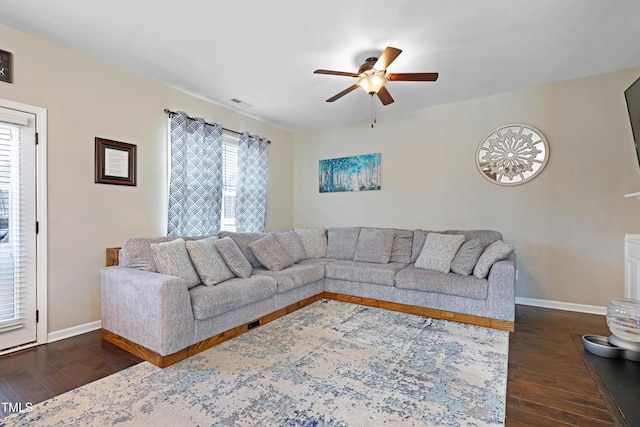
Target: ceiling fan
(372, 76)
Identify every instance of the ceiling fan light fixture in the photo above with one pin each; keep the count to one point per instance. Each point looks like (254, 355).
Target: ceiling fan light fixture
(372, 80)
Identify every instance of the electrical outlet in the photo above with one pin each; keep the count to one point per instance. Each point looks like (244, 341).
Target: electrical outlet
(517, 273)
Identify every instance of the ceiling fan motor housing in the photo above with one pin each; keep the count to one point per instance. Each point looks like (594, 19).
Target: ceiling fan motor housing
(368, 65)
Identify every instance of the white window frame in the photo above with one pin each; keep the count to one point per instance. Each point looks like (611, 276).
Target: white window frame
(42, 327)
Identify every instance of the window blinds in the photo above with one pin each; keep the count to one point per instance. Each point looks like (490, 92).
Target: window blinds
(17, 221)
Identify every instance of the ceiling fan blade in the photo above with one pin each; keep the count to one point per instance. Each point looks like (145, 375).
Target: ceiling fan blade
(413, 77)
(343, 93)
(388, 56)
(336, 73)
(384, 96)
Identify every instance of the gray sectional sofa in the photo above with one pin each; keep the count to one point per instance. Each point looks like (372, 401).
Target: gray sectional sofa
(169, 298)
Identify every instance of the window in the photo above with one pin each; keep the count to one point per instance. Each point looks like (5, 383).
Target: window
(216, 181)
(229, 182)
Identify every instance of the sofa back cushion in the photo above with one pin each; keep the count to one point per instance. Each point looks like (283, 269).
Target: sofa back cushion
(173, 259)
(342, 242)
(314, 241)
(271, 254)
(374, 245)
(292, 243)
(208, 262)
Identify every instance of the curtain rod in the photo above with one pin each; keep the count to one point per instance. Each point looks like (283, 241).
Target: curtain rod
(169, 112)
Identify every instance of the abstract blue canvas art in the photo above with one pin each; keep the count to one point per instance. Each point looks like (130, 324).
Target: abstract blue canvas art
(354, 173)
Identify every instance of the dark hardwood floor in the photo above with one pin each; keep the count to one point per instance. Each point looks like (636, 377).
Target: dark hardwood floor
(40, 373)
(548, 383)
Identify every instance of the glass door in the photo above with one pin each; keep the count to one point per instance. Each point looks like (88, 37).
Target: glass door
(17, 228)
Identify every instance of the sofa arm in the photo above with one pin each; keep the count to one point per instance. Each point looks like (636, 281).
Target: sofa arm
(502, 284)
(150, 309)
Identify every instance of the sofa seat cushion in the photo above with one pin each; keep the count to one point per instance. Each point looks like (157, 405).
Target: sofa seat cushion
(210, 301)
(364, 272)
(293, 277)
(418, 279)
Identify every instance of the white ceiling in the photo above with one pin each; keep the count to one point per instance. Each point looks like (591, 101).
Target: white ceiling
(264, 52)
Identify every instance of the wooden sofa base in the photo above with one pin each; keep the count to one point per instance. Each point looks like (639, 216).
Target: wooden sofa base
(164, 361)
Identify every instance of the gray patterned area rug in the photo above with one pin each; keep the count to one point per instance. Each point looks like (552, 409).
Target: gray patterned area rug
(327, 364)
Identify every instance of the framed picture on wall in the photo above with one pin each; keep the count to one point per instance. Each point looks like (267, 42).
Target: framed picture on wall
(115, 162)
(354, 173)
(6, 66)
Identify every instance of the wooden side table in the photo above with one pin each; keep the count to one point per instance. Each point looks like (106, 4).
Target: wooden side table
(112, 256)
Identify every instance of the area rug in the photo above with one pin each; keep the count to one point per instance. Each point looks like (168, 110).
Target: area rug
(327, 364)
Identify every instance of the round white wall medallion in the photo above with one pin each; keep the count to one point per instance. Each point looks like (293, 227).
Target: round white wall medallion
(512, 154)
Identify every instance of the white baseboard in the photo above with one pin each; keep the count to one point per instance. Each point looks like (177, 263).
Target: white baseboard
(73, 331)
(559, 305)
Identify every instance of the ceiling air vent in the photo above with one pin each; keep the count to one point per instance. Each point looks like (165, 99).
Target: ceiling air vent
(240, 103)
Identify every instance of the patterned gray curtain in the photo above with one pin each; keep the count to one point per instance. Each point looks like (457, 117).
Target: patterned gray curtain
(195, 184)
(251, 195)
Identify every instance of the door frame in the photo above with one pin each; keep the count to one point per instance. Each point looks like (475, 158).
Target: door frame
(42, 327)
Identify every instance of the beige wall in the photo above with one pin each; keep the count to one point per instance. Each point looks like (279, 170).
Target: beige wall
(87, 98)
(568, 224)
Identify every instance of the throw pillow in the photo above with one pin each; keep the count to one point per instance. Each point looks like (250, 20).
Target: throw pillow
(173, 259)
(374, 245)
(419, 236)
(438, 251)
(137, 253)
(233, 257)
(467, 257)
(402, 243)
(486, 237)
(243, 240)
(292, 243)
(314, 241)
(271, 253)
(493, 253)
(342, 242)
(209, 264)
